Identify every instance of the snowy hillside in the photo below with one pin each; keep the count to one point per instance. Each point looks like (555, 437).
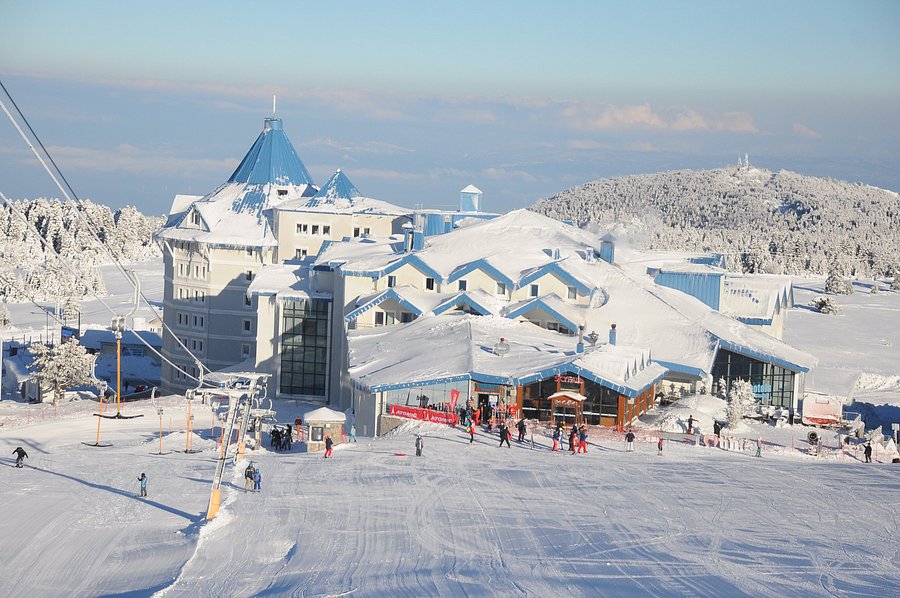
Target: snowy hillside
(29, 268)
(764, 221)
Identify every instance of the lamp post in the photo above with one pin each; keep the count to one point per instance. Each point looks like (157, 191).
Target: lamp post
(159, 412)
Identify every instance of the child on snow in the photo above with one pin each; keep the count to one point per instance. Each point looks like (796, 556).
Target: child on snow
(257, 480)
(21, 455)
(143, 481)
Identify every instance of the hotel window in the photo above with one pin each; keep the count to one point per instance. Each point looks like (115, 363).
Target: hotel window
(300, 254)
(195, 217)
(248, 301)
(462, 284)
(315, 229)
(356, 231)
(406, 317)
(197, 345)
(366, 231)
(245, 350)
(282, 192)
(429, 284)
(501, 288)
(180, 269)
(534, 290)
(392, 281)
(573, 293)
(379, 318)
(196, 271)
(247, 326)
(302, 228)
(326, 229)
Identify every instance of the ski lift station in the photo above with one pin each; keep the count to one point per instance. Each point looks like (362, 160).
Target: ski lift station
(352, 302)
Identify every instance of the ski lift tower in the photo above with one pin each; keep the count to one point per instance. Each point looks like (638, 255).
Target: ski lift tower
(245, 391)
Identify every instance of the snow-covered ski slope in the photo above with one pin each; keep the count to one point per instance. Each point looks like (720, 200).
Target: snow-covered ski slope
(460, 521)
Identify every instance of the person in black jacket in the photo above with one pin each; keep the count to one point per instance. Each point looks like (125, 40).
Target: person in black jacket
(328, 444)
(504, 435)
(522, 429)
(629, 442)
(21, 455)
(868, 452)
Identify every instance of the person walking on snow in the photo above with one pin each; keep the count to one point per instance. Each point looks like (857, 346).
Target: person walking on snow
(143, 481)
(572, 434)
(582, 439)
(629, 442)
(522, 429)
(257, 480)
(328, 444)
(556, 436)
(504, 435)
(759, 447)
(690, 424)
(21, 455)
(419, 445)
(470, 428)
(352, 437)
(659, 447)
(249, 474)
(868, 452)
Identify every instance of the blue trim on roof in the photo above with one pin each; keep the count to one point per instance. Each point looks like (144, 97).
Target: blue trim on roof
(522, 380)
(539, 303)
(755, 321)
(682, 369)
(760, 356)
(461, 298)
(481, 264)
(416, 262)
(377, 300)
(554, 268)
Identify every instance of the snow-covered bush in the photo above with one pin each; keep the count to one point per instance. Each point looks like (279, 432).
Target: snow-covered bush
(826, 305)
(5, 320)
(874, 290)
(895, 285)
(741, 402)
(61, 366)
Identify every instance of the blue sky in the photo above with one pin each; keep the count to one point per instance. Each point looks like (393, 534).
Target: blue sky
(416, 100)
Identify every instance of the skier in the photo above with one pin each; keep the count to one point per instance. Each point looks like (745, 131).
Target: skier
(582, 439)
(257, 480)
(21, 455)
(659, 447)
(556, 435)
(572, 434)
(143, 481)
(288, 433)
(629, 442)
(690, 424)
(522, 429)
(275, 441)
(868, 452)
(249, 474)
(352, 433)
(759, 447)
(328, 444)
(419, 445)
(504, 435)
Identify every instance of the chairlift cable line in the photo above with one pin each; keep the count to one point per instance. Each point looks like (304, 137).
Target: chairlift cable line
(91, 225)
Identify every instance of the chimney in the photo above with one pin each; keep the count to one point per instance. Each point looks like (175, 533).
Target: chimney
(579, 348)
(612, 334)
(407, 237)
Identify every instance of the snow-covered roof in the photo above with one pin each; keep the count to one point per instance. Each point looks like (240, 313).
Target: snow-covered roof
(324, 414)
(286, 281)
(471, 189)
(93, 338)
(238, 212)
(340, 196)
(456, 347)
(756, 298)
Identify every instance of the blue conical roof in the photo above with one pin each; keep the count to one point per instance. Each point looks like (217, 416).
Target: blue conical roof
(338, 187)
(272, 159)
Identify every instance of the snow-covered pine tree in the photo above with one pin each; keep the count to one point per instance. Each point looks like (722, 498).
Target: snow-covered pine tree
(741, 401)
(835, 284)
(722, 388)
(70, 309)
(5, 320)
(874, 290)
(61, 366)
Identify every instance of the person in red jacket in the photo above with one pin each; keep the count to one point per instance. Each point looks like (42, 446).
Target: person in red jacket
(328, 444)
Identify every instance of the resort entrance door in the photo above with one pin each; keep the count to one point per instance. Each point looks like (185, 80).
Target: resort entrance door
(487, 403)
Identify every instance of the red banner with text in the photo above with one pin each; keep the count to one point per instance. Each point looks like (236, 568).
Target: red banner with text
(451, 419)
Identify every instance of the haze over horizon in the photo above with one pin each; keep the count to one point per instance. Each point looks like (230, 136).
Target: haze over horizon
(137, 103)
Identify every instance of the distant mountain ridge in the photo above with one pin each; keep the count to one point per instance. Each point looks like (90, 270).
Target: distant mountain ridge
(779, 222)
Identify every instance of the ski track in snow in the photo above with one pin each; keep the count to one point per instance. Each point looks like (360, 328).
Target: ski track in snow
(461, 521)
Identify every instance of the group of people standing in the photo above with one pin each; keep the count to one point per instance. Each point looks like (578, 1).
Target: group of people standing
(252, 478)
(281, 437)
(577, 437)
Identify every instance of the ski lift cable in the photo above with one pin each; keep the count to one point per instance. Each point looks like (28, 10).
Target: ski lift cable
(91, 225)
(65, 263)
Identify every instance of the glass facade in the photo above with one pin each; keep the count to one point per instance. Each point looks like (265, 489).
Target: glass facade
(435, 396)
(304, 347)
(601, 402)
(772, 385)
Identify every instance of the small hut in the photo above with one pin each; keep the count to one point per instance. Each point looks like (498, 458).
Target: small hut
(321, 422)
(567, 404)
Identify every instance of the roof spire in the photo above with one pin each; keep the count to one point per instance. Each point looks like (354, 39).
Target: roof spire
(273, 104)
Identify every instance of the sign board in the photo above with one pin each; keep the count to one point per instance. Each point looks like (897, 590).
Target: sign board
(568, 379)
